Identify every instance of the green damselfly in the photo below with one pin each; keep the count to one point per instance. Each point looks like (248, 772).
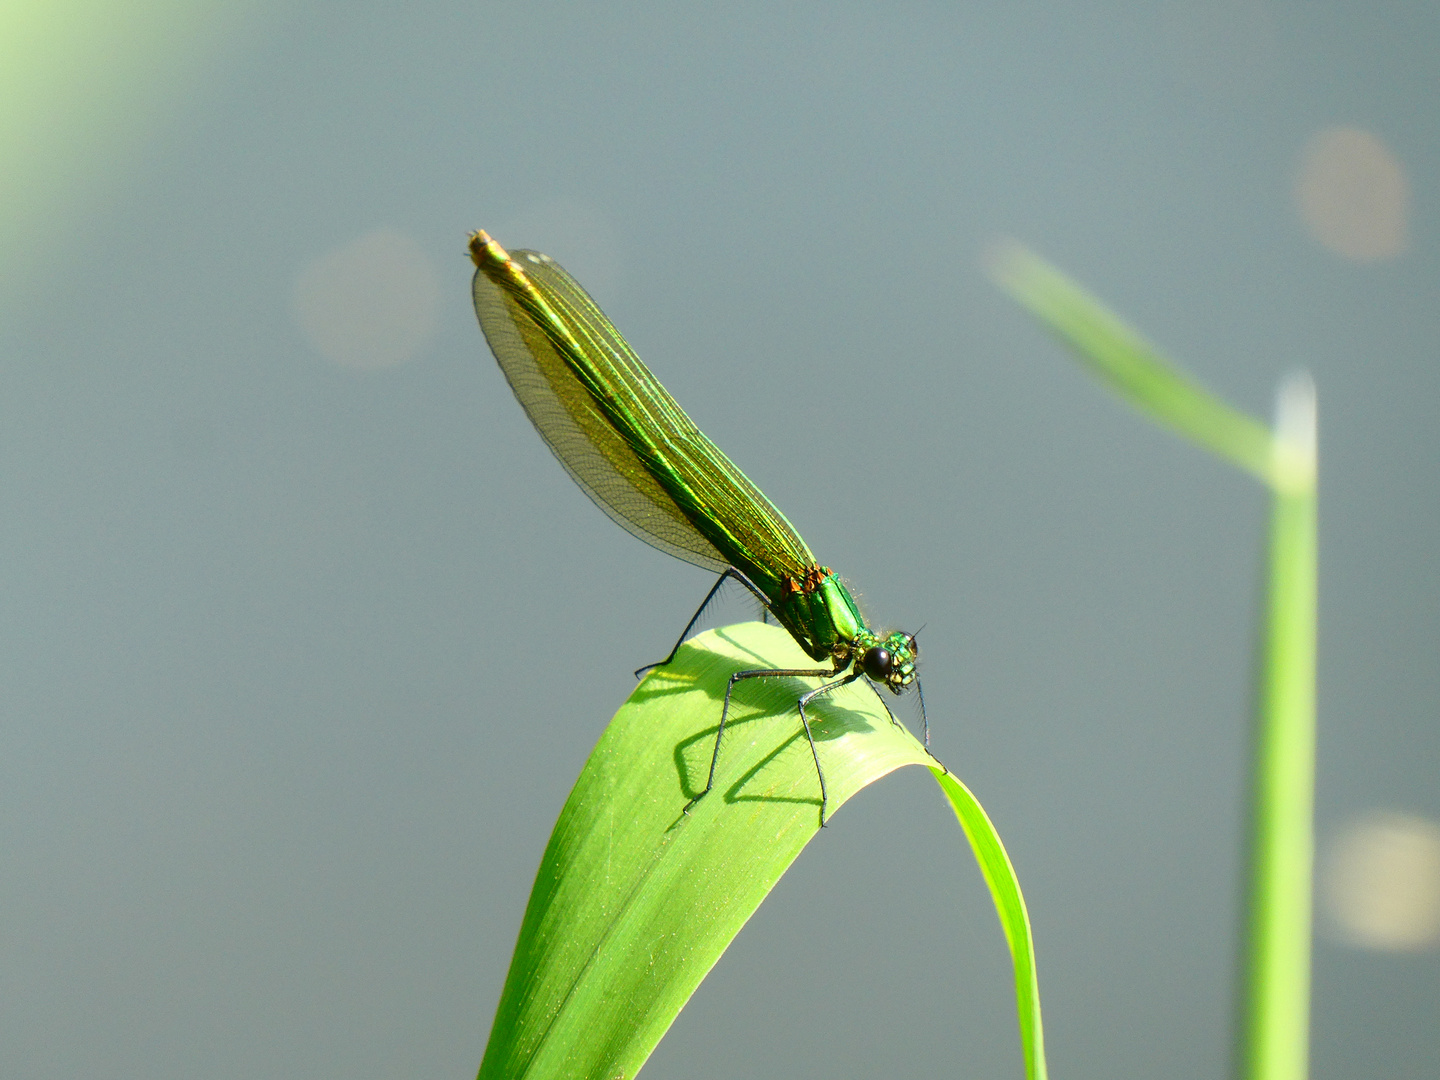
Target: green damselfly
(632, 449)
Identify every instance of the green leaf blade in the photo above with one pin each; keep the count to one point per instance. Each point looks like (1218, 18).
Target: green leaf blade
(635, 901)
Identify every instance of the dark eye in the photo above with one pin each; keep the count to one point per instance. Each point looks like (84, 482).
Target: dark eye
(876, 662)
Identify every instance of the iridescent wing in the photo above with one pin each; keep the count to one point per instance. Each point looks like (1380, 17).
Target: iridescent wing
(617, 431)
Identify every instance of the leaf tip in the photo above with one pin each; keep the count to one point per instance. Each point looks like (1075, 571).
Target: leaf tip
(1295, 446)
(1006, 261)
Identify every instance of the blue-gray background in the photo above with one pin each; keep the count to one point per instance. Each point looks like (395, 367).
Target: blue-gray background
(298, 661)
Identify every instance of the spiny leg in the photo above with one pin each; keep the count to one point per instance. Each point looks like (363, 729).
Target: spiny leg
(924, 721)
(732, 574)
(925, 724)
(759, 673)
(883, 703)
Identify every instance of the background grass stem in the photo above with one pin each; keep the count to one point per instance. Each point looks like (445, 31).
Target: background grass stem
(1272, 1036)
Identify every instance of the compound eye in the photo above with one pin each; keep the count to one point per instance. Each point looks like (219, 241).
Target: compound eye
(877, 663)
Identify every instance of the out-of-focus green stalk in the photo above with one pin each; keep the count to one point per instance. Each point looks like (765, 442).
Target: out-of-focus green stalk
(1275, 1023)
(1272, 1037)
(1117, 355)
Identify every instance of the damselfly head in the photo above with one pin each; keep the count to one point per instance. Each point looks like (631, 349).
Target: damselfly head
(891, 660)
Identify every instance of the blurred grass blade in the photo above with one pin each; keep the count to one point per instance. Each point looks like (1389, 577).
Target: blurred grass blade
(1273, 1036)
(634, 902)
(1276, 1022)
(1133, 367)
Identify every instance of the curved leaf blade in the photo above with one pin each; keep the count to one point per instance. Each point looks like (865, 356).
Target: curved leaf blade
(1014, 918)
(635, 901)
